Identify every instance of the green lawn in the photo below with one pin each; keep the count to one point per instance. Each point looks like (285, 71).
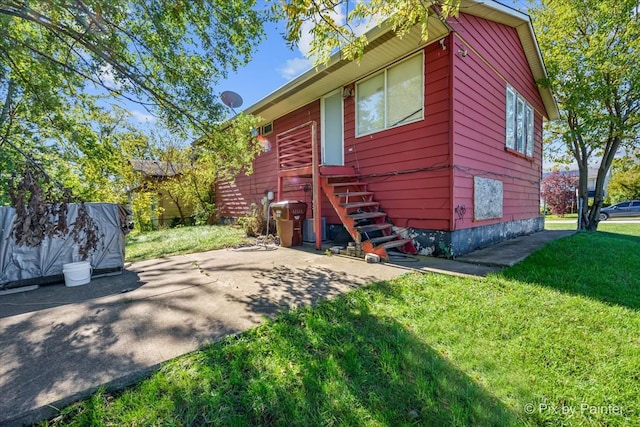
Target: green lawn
(604, 226)
(552, 341)
(182, 240)
(570, 216)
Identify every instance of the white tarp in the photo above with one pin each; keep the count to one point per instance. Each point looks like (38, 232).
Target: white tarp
(19, 263)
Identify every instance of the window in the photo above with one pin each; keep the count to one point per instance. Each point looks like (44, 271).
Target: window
(391, 98)
(529, 130)
(519, 123)
(267, 129)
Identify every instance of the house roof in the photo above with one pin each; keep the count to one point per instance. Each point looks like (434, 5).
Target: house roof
(384, 47)
(157, 169)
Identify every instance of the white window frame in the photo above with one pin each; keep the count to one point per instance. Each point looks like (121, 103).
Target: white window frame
(267, 129)
(385, 95)
(519, 136)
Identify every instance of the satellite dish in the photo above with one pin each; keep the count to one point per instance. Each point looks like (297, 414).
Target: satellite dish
(231, 99)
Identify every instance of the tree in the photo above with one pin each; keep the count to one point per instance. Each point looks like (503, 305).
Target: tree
(592, 53)
(559, 192)
(165, 55)
(190, 171)
(624, 186)
(92, 159)
(625, 180)
(334, 26)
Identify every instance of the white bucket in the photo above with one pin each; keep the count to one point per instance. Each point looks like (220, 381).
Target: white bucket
(77, 273)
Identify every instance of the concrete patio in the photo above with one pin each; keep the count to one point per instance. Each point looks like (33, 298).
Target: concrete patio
(59, 344)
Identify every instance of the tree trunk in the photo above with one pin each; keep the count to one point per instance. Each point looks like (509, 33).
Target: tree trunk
(591, 216)
(212, 217)
(6, 108)
(583, 193)
(176, 201)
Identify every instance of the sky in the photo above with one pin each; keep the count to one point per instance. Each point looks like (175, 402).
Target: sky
(272, 66)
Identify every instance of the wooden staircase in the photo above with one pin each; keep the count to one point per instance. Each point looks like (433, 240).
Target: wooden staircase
(299, 156)
(361, 216)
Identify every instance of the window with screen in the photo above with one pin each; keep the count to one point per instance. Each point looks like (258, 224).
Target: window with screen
(393, 97)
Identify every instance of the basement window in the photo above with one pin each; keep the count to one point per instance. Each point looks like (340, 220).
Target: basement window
(393, 97)
(519, 124)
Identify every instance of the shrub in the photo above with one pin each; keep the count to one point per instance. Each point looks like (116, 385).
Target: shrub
(559, 192)
(254, 223)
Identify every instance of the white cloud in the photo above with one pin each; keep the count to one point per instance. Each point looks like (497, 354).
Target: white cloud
(304, 45)
(143, 117)
(293, 67)
(107, 77)
(340, 18)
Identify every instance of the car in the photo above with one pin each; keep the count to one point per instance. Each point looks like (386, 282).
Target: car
(630, 208)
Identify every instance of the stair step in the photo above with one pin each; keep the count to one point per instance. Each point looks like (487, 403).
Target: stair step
(359, 205)
(330, 171)
(373, 227)
(342, 176)
(396, 243)
(377, 240)
(354, 193)
(346, 184)
(366, 215)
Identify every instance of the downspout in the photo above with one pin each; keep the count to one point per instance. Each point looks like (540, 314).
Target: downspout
(452, 221)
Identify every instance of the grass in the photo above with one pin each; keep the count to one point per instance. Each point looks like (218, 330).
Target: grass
(632, 229)
(183, 240)
(551, 217)
(574, 217)
(554, 340)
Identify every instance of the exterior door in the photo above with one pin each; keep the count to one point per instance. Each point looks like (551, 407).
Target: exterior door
(331, 129)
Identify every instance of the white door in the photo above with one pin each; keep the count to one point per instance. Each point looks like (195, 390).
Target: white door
(331, 129)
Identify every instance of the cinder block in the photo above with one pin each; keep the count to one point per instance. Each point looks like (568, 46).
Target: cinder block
(372, 258)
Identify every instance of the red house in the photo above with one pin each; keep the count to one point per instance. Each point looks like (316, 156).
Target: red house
(433, 147)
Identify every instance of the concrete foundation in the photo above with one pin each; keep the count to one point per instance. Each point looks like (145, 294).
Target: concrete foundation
(450, 244)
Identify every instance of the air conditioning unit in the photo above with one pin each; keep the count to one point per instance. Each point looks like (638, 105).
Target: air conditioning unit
(308, 234)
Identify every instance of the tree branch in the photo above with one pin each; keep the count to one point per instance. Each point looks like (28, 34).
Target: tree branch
(107, 55)
(8, 102)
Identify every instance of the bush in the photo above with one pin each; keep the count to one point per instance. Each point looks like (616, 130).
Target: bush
(254, 223)
(624, 185)
(559, 192)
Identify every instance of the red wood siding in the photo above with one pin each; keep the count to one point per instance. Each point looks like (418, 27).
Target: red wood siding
(407, 166)
(421, 171)
(479, 120)
(501, 47)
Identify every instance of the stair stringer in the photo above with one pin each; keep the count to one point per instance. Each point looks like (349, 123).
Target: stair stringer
(389, 237)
